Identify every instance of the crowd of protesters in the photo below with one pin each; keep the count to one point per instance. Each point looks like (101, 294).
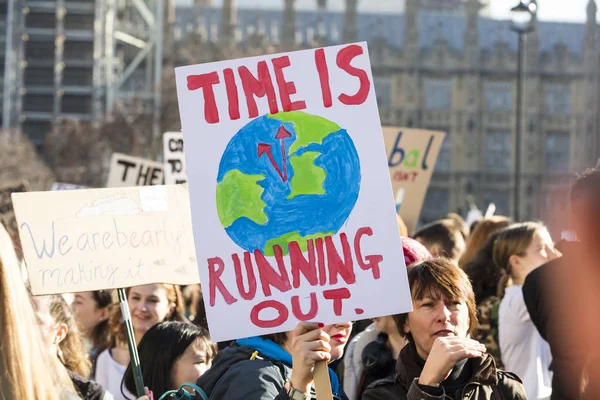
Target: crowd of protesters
(500, 311)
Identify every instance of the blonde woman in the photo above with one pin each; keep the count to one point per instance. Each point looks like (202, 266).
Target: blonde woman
(28, 370)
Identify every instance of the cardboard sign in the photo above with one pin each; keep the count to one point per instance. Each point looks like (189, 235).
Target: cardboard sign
(67, 186)
(411, 155)
(128, 171)
(106, 238)
(174, 158)
(292, 207)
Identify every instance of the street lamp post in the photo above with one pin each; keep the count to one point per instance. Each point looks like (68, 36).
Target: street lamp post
(522, 17)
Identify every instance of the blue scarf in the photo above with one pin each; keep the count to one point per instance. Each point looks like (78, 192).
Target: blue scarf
(275, 352)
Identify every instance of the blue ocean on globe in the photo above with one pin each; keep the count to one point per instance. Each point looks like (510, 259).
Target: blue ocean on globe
(285, 177)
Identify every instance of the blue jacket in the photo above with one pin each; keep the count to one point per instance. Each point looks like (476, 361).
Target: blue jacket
(237, 373)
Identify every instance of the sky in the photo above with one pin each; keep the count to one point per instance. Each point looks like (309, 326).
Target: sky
(549, 10)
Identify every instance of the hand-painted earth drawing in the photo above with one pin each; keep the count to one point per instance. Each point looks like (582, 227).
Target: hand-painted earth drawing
(285, 177)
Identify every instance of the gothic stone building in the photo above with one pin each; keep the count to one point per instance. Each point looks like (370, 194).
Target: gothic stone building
(447, 68)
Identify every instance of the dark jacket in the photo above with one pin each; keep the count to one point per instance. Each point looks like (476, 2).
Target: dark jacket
(252, 369)
(539, 295)
(88, 389)
(485, 382)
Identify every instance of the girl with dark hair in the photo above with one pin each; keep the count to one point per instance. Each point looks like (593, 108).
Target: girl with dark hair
(149, 305)
(441, 360)
(186, 352)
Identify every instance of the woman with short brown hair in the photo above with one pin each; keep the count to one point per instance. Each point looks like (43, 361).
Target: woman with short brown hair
(441, 359)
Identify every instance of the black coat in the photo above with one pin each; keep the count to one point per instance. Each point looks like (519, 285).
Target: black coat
(486, 382)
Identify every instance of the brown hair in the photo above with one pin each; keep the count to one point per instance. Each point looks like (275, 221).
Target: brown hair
(514, 241)
(484, 273)
(116, 328)
(459, 223)
(485, 228)
(437, 278)
(99, 335)
(72, 353)
(28, 370)
(445, 233)
(585, 197)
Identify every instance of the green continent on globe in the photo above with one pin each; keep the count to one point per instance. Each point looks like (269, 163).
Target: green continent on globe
(239, 195)
(308, 178)
(309, 128)
(283, 241)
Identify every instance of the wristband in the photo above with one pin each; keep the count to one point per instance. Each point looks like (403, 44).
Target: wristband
(295, 394)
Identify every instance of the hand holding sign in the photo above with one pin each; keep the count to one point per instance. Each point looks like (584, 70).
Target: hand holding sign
(309, 345)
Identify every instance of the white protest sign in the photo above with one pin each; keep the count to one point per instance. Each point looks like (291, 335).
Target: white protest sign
(128, 171)
(106, 238)
(292, 207)
(174, 158)
(490, 210)
(66, 186)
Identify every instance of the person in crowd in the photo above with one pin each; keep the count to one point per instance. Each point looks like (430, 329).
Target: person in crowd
(459, 223)
(191, 293)
(442, 239)
(478, 237)
(371, 354)
(563, 300)
(29, 371)
(186, 353)
(519, 250)
(149, 305)
(276, 366)
(62, 336)
(489, 283)
(199, 310)
(440, 359)
(92, 310)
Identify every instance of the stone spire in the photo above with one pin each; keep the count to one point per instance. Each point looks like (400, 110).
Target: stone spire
(472, 32)
(591, 31)
(289, 23)
(350, 21)
(228, 21)
(411, 31)
(320, 27)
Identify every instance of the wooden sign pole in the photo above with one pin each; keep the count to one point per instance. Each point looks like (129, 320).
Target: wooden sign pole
(322, 382)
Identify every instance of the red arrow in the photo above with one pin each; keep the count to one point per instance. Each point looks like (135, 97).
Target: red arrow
(283, 133)
(266, 148)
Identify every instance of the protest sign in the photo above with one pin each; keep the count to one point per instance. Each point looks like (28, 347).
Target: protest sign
(106, 238)
(412, 154)
(66, 186)
(133, 171)
(174, 158)
(292, 207)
